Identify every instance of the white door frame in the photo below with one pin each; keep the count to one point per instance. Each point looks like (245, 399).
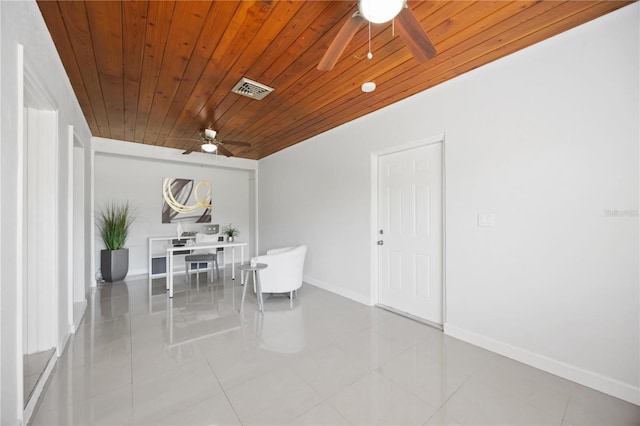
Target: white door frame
(374, 215)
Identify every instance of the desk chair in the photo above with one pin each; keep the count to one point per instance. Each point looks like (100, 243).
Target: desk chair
(198, 259)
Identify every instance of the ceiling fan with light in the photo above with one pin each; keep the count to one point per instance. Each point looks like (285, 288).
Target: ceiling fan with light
(208, 143)
(379, 12)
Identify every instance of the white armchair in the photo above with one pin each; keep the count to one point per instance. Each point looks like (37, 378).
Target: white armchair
(284, 273)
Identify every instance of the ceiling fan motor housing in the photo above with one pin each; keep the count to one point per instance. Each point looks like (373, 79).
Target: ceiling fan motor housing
(209, 134)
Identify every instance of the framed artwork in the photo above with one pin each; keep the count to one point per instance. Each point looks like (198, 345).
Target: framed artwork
(186, 200)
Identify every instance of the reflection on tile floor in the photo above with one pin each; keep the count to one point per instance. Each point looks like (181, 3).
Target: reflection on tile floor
(141, 358)
(33, 365)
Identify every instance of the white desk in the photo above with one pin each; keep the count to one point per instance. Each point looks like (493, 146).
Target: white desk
(158, 250)
(204, 246)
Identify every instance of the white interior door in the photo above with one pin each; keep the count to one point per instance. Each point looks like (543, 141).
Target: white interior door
(410, 231)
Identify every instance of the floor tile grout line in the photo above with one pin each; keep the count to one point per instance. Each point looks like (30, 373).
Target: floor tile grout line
(224, 391)
(451, 396)
(566, 408)
(322, 398)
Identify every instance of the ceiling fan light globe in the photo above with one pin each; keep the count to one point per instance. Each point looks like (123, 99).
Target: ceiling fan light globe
(209, 147)
(380, 11)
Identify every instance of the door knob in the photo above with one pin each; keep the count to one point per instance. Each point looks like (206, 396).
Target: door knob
(380, 242)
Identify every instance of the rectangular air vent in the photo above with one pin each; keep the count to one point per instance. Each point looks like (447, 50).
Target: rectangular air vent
(251, 89)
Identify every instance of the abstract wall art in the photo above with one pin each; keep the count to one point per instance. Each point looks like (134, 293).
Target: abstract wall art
(186, 200)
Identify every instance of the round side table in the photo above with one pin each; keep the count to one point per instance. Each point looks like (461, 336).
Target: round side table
(245, 270)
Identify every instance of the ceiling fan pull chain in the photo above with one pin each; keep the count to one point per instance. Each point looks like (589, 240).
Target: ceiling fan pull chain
(393, 27)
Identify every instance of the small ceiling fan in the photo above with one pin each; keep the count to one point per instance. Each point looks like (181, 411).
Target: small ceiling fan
(378, 12)
(209, 144)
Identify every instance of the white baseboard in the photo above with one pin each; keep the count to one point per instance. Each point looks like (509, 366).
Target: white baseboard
(63, 342)
(338, 290)
(584, 377)
(140, 271)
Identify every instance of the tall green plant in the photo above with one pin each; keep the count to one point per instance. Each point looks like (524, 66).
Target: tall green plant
(114, 221)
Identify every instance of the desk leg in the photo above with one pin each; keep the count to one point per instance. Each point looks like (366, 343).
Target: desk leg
(233, 263)
(166, 268)
(170, 276)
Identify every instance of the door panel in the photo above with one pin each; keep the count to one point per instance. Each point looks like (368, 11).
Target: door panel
(410, 218)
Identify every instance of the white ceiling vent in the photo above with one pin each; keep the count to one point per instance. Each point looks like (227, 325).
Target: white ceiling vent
(251, 89)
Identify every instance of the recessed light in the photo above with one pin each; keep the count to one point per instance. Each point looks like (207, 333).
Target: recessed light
(369, 86)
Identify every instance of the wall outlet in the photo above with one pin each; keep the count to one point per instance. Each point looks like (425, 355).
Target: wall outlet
(486, 220)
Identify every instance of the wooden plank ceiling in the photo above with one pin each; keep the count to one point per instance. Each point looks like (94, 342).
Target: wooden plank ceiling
(154, 72)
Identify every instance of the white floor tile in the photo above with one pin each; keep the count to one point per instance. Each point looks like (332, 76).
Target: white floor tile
(152, 361)
(277, 397)
(214, 410)
(329, 370)
(371, 348)
(174, 391)
(195, 360)
(322, 414)
(535, 387)
(424, 377)
(374, 399)
(109, 408)
(90, 380)
(441, 419)
(476, 403)
(590, 407)
(239, 368)
(228, 344)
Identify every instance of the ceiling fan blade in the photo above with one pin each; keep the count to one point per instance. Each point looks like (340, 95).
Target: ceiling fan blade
(337, 46)
(194, 147)
(226, 142)
(414, 35)
(224, 151)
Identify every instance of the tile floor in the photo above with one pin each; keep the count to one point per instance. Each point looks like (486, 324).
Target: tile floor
(140, 358)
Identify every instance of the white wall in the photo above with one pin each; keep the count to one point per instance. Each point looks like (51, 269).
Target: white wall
(125, 176)
(547, 139)
(22, 24)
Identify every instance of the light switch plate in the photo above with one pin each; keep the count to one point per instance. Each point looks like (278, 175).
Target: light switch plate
(486, 220)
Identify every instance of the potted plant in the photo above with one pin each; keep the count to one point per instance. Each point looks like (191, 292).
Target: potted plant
(114, 221)
(230, 232)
